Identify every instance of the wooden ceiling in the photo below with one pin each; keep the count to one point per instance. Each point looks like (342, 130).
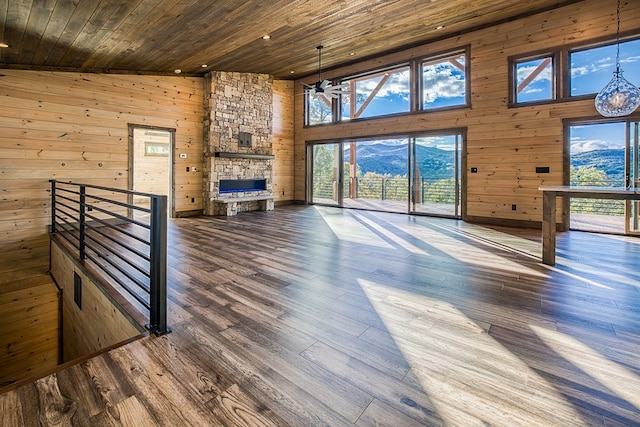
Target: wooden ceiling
(160, 36)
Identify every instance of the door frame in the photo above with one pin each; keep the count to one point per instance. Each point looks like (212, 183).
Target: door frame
(171, 210)
(461, 159)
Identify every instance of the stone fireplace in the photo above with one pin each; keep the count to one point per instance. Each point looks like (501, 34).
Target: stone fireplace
(237, 139)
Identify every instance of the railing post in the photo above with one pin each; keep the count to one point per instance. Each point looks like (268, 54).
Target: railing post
(383, 188)
(158, 248)
(53, 206)
(81, 205)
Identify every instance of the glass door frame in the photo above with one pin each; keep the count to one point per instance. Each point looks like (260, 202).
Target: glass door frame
(339, 173)
(460, 164)
(459, 172)
(632, 175)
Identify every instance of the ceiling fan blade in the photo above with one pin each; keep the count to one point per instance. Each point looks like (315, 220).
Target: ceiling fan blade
(325, 84)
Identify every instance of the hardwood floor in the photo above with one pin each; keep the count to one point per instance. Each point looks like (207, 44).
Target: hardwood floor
(310, 316)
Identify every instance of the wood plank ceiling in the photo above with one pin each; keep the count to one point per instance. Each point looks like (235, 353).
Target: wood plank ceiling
(160, 36)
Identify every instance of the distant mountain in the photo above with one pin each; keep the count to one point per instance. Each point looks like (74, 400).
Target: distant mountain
(611, 161)
(392, 159)
(438, 164)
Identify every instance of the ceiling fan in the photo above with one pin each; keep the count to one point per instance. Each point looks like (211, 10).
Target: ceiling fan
(324, 88)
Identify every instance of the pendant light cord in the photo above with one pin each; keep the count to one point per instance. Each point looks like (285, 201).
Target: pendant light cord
(320, 53)
(618, 40)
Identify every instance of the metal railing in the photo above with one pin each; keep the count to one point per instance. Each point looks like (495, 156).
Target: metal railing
(603, 207)
(434, 191)
(125, 241)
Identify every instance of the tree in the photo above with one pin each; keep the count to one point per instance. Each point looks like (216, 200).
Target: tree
(591, 176)
(588, 176)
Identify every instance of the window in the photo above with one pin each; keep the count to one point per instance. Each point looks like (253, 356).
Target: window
(378, 94)
(423, 84)
(534, 79)
(444, 82)
(591, 69)
(318, 110)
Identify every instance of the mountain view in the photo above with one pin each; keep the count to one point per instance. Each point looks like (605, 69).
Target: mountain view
(611, 161)
(391, 159)
(435, 163)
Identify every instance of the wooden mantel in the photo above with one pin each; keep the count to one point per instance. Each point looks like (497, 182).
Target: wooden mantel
(230, 155)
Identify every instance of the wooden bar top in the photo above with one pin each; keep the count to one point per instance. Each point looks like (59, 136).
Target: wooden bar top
(590, 191)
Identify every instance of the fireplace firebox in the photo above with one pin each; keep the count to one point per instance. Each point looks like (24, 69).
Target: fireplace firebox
(241, 185)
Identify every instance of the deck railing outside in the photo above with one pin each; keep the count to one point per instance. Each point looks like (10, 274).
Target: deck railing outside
(435, 191)
(125, 241)
(602, 207)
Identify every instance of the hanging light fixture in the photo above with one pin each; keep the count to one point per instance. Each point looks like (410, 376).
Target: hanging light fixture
(619, 97)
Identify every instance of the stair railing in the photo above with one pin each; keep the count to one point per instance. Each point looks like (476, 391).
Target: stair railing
(123, 234)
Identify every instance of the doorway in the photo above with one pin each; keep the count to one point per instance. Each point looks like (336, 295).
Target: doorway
(150, 163)
(604, 154)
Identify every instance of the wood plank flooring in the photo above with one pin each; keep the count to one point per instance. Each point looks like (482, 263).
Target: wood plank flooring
(309, 316)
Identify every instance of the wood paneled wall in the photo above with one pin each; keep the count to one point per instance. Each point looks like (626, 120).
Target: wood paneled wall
(97, 323)
(71, 126)
(283, 117)
(28, 328)
(505, 144)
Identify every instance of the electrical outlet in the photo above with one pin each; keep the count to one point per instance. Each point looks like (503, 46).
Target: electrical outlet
(194, 169)
(513, 207)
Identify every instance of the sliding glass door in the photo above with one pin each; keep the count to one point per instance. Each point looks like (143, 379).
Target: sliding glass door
(325, 174)
(376, 174)
(418, 174)
(436, 175)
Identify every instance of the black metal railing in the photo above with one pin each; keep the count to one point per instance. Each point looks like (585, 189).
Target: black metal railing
(602, 207)
(125, 241)
(428, 190)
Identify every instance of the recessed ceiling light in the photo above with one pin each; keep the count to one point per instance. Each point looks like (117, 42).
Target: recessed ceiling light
(2, 45)
(352, 54)
(439, 27)
(292, 72)
(204, 65)
(266, 37)
(177, 71)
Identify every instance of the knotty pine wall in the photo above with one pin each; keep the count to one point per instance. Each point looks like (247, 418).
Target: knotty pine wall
(505, 144)
(29, 335)
(72, 126)
(282, 148)
(94, 325)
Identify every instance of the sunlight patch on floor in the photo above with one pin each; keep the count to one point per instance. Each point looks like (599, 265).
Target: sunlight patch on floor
(615, 377)
(403, 243)
(467, 253)
(348, 229)
(469, 377)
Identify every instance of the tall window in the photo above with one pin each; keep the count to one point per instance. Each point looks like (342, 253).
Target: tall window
(378, 94)
(534, 79)
(592, 68)
(444, 81)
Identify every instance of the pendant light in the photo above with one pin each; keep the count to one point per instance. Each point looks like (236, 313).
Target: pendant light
(619, 97)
